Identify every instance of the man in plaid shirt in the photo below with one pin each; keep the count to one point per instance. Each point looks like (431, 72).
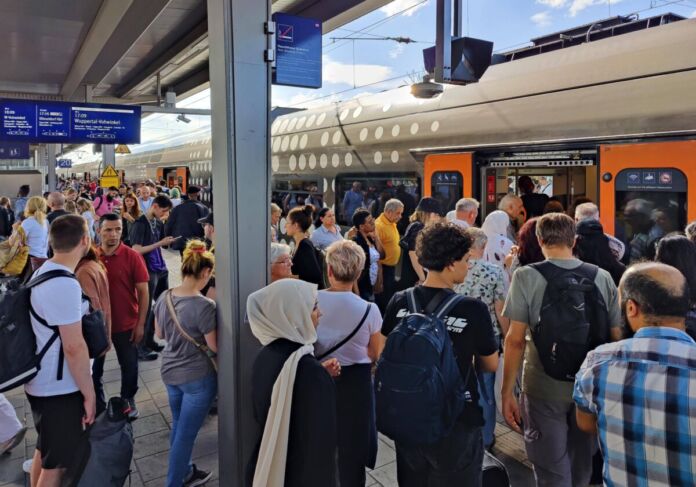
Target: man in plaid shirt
(640, 393)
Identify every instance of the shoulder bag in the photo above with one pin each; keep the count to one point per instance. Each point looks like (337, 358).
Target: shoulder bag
(203, 348)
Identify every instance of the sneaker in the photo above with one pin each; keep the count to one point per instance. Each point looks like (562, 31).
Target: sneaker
(147, 355)
(7, 446)
(156, 347)
(131, 410)
(197, 477)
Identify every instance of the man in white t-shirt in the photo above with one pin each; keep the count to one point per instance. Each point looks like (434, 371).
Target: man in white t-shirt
(465, 213)
(62, 395)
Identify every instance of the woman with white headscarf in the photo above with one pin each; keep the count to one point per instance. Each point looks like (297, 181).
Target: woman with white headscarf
(498, 247)
(294, 396)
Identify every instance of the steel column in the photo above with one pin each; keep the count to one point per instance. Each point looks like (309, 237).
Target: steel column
(50, 159)
(443, 41)
(240, 95)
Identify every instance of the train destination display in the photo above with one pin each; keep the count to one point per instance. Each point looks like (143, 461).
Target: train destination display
(61, 122)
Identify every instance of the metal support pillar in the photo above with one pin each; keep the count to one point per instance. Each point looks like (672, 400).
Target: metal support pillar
(458, 18)
(240, 95)
(50, 159)
(108, 157)
(443, 41)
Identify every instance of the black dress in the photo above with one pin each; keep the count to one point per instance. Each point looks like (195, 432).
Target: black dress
(409, 277)
(311, 460)
(306, 265)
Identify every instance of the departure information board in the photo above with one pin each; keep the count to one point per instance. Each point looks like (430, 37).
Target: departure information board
(69, 123)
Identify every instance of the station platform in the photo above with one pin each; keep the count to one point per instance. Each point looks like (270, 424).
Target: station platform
(151, 430)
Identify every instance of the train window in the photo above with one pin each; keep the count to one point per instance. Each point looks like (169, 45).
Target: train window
(650, 203)
(376, 189)
(289, 193)
(446, 187)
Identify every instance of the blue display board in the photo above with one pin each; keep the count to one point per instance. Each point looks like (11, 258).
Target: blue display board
(64, 163)
(70, 123)
(298, 51)
(14, 150)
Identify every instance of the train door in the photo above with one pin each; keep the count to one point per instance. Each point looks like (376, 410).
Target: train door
(174, 176)
(645, 192)
(448, 178)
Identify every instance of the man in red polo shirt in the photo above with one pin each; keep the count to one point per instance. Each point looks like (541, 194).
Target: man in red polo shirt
(128, 292)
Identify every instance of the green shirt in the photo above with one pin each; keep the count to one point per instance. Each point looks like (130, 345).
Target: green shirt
(523, 304)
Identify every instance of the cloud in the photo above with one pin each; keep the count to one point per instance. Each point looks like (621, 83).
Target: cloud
(693, 14)
(338, 73)
(579, 5)
(542, 19)
(553, 3)
(397, 6)
(397, 51)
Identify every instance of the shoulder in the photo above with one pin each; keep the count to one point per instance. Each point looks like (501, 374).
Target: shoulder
(467, 305)
(206, 303)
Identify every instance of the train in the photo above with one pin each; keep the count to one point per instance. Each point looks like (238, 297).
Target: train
(604, 112)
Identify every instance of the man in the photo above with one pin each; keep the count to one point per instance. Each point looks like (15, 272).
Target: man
(63, 408)
(534, 203)
(130, 298)
(590, 211)
(352, 200)
(456, 459)
(56, 202)
(144, 199)
(208, 224)
(388, 234)
(21, 201)
(639, 392)
(107, 203)
(560, 452)
(183, 222)
(465, 213)
(514, 207)
(11, 430)
(409, 202)
(6, 219)
(147, 238)
(546, 185)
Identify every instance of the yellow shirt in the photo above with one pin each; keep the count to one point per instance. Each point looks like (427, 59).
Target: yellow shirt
(389, 236)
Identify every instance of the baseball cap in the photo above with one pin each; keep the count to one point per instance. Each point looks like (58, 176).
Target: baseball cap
(430, 205)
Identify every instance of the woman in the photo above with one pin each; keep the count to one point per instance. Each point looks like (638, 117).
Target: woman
(294, 397)
(91, 275)
(35, 226)
(488, 283)
(281, 262)
(427, 212)
(306, 264)
(7, 205)
(186, 371)
(130, 211)
(368, 284)
(592, 246)
(175, 196)
(85, 208)
(276, 212)
(527, 251)
(342, 314)
(495, 226)
(680, 252)
(326, 231)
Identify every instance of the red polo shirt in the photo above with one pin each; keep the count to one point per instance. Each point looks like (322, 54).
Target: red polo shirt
(124, 269)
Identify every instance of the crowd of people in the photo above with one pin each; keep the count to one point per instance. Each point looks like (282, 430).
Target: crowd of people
(590, 353)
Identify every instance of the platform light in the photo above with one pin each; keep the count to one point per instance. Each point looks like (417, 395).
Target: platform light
(183, 118)
(426, 88)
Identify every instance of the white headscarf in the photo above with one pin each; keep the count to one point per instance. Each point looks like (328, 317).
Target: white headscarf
(495, 227)
(282, 309)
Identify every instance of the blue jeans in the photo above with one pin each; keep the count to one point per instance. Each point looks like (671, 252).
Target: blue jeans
(486, 388)
(190, 404)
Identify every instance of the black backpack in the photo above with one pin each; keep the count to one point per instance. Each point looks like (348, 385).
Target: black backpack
(573, 319)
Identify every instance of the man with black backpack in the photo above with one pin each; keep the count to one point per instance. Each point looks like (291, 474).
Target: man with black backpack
(560, 310)
(425, 385)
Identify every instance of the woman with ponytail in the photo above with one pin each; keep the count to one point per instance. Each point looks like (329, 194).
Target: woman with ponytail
(307, 262)
(35, 226)
(186, 320)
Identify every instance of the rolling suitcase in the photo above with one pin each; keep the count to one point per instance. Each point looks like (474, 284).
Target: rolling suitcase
(494, 472)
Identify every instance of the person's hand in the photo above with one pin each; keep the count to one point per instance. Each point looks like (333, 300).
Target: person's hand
(511, 412)
(167, 241)
(127, 216)
(90, 406)
(108, 349)
(137, 335)
(350, 234)
(332, 367)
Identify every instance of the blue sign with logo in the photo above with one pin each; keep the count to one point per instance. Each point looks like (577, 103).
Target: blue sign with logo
(14, 150)
(70, 123)
(298, 51)
(64, 163)
(651, 180)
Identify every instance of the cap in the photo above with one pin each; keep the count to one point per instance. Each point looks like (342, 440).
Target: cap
(193, 189)
(430, 205)
(208, 220)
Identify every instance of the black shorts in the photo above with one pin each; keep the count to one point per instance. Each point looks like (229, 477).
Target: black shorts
(58, 422)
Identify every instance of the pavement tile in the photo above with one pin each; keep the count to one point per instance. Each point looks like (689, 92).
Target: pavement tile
(151, 444)
(153, 467)
(11, 471)
(149, 425)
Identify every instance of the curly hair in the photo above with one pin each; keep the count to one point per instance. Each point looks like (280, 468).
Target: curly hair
(441, 245)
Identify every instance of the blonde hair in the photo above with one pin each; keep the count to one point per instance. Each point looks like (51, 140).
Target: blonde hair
(84, 206)
(419, 216)
(197, 258)
(70, 207)
(36, 207)
(346, 260)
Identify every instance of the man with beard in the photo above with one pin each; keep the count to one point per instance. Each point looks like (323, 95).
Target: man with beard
(107, 203)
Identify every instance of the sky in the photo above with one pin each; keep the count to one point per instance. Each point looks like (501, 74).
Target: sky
(352, 68)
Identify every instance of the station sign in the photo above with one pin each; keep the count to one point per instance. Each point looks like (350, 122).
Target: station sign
(64, 163)
(298, 51)
(109, 177)
(47, 122)
(14, 150)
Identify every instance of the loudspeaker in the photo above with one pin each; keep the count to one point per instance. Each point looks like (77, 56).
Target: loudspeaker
(470, 59)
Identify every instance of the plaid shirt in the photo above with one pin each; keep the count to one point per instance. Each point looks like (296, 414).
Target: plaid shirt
(643, 392)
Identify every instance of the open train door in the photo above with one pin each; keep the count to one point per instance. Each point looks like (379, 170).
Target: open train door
(647, 190)
(448, 178)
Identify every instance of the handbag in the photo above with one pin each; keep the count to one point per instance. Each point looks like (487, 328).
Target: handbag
(201, 347)
(14, 253)
(346, 339)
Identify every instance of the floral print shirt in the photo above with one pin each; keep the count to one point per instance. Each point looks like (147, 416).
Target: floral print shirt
(487, 282)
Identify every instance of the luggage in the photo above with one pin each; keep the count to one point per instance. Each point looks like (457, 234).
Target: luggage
(419, 390)
(14, 253)
(494, 473)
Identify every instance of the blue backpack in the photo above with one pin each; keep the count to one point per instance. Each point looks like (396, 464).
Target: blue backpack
(419, 389)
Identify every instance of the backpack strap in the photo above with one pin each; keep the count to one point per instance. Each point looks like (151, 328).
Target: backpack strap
(450, 300)
(548, 270)
(412, 301)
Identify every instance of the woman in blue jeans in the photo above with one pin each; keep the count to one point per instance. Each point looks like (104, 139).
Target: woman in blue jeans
(187, 372)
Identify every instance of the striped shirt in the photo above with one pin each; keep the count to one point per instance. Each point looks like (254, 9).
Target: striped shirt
(643, 392)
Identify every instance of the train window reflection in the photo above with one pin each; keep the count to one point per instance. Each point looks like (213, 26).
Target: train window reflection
(376, 190)
(289, 193)
(446, 187)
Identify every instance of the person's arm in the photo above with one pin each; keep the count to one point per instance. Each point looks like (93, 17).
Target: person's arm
(514, 351)
(211, 340)
(502, 320)
(158, 330)
(77, 357)
(587, 422)
(416, 265)
(375, 346)
(378, 245)
(488, 363)
(146, 249)
(143, 292)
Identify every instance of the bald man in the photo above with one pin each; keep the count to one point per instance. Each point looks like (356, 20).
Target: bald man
(56, 202)
(514, 207)
(639, 393)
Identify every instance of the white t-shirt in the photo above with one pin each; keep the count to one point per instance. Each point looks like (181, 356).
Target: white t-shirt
(59, 302)
(37, 237)
(341, 313)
